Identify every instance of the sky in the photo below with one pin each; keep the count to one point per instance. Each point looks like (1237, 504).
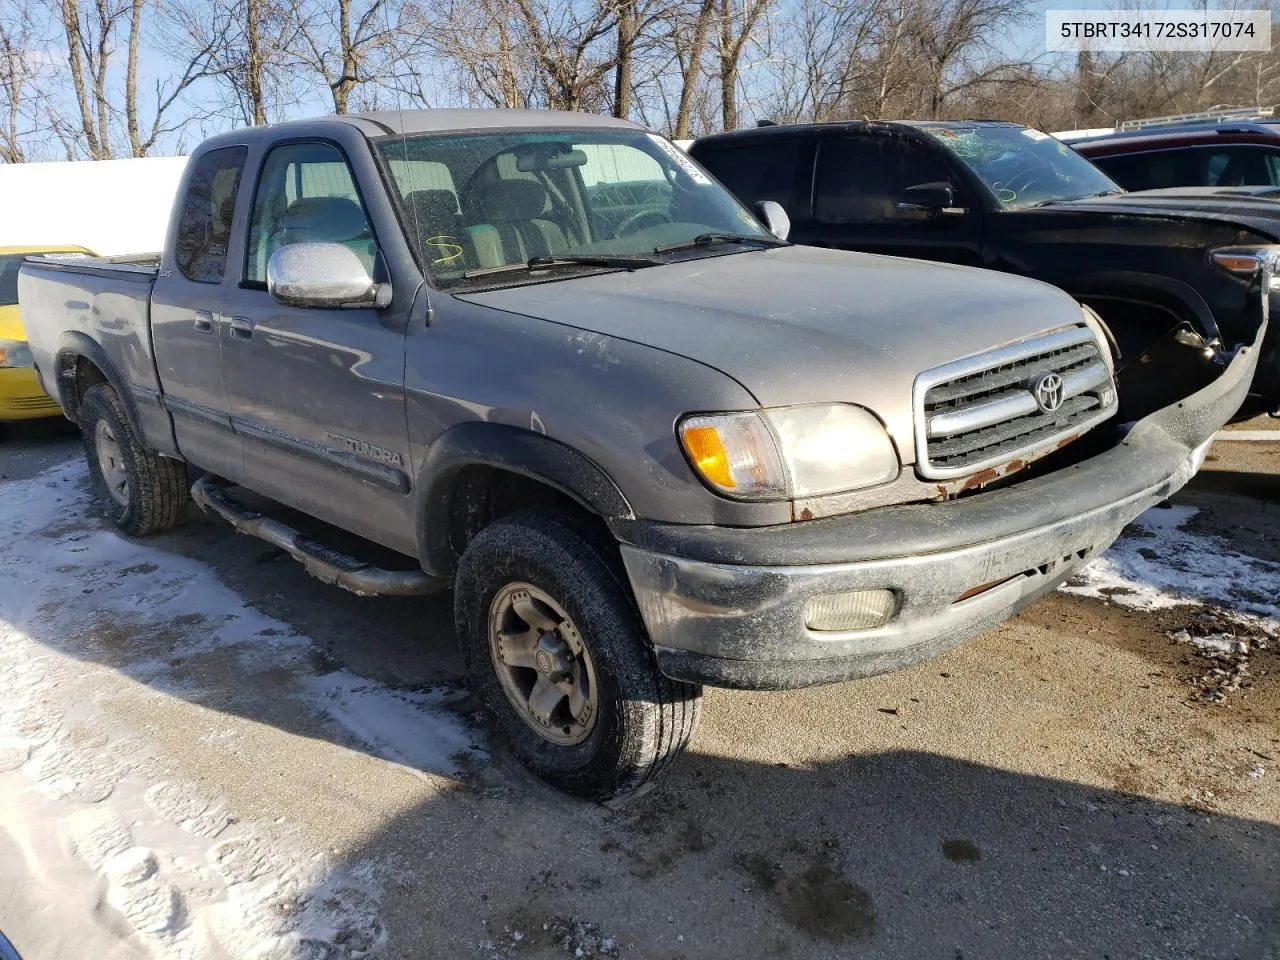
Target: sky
(1026, 40)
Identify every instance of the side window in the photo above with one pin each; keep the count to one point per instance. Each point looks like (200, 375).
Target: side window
(205, 228)
(1236, 167)
(305, 193)
(862, 178)
(1154, 171)
(762, 171)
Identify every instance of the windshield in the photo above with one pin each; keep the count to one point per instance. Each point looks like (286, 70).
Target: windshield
(478, 202)
(1023, 167)
(9, 266)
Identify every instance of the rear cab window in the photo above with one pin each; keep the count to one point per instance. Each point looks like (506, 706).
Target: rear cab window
(204, 230)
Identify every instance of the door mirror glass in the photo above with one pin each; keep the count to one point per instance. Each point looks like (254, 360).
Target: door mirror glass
(771, 214)
(926, 201)
(323, 274)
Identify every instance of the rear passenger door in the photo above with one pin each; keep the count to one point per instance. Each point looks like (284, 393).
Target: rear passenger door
(857, 182)
(318, 394)
(187, 331)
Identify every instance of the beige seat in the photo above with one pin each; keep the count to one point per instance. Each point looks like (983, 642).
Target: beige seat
(510, 222)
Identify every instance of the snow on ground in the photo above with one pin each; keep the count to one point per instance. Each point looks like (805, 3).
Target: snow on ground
(1158, 564)
(92, 626)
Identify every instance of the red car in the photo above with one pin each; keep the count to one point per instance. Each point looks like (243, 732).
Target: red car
(1204, 154)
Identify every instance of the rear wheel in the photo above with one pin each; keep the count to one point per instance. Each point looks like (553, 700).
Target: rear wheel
(558, 653)
(143, 492)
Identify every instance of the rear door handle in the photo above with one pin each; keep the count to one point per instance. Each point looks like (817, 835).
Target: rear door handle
(241, 328)
(203, 322)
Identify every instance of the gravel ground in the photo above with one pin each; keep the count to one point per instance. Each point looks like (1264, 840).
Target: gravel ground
(1057, 788)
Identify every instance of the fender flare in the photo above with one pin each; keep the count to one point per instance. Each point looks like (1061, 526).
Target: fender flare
(516, 450)
(72, 346)
(1179, 298)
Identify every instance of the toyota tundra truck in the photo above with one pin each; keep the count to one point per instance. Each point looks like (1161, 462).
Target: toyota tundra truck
(546, 361)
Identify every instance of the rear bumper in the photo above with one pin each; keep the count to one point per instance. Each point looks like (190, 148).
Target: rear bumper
(21, 396)
(725, 606)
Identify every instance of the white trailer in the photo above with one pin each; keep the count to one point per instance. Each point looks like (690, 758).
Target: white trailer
(113, 207)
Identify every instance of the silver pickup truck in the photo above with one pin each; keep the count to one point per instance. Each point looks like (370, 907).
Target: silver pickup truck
(548, 361)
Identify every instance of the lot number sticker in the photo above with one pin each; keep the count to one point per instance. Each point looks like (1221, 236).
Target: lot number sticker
(681, 161)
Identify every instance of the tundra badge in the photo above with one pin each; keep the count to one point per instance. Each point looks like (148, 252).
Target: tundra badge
(363, 449)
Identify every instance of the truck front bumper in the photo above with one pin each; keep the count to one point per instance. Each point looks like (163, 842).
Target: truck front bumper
(726, 606)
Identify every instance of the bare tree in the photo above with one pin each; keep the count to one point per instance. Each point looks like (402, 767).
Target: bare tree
(350, 44)
(248, 44)
(738, 22)
(690, 31)
(92, 32)
(19, 67)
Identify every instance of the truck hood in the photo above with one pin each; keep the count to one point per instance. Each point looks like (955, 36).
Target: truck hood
(804, 324)
(1250, 208)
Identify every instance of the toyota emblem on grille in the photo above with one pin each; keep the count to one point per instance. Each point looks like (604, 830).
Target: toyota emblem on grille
(1048, 392)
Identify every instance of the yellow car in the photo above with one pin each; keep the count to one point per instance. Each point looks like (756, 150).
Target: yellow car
(20, 395)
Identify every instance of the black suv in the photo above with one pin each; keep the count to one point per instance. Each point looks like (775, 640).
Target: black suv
(1168, 273)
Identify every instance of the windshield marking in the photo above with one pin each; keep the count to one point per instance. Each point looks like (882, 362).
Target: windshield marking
(681, 159)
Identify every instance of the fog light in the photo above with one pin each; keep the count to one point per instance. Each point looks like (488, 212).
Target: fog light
(853, 610)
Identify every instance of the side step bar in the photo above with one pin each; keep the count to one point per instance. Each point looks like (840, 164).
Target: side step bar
(324, 563)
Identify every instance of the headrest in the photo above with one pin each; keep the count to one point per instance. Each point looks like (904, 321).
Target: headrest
(323, 218)
(429, 209)
(504, 200)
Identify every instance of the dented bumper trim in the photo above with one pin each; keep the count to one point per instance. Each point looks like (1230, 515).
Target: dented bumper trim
(727, 607)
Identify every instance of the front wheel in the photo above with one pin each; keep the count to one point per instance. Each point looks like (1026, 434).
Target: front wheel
(557, 652)
(144, 492)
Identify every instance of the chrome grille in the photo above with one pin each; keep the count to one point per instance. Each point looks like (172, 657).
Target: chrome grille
(983, 411)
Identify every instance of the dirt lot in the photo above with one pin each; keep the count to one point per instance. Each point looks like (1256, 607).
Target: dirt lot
(203, 753)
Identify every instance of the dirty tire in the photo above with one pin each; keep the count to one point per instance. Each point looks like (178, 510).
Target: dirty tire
(157, 491)
(642, 718)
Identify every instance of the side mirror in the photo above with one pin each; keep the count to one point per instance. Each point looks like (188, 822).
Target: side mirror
(926, 201)
(323, 274)
(771, 214)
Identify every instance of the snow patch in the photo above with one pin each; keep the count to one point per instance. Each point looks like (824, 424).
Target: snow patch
(90, 619)
(1159, 564)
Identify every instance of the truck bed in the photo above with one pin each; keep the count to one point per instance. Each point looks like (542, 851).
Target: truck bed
(104, 299)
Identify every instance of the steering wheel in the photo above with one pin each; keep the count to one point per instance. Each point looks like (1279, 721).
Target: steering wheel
(650, 217)
(1020, 181)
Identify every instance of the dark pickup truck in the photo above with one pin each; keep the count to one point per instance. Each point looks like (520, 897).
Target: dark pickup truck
(546, 360)
(1168, 271)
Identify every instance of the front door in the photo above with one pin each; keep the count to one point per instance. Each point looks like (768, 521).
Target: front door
(858, 181)
(187, 327)
(318, 393)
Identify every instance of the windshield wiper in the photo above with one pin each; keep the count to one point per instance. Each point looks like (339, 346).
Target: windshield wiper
(708, 239)
(620, 261)
(1087, 196)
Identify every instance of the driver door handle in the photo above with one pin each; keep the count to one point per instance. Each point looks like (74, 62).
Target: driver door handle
(241, 328)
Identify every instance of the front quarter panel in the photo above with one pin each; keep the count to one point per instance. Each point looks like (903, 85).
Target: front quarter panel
(614, 401)
(1106, 259)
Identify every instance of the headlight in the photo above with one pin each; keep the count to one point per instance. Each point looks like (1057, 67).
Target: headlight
(1249, 260)
(14, 353)
(789, 452)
